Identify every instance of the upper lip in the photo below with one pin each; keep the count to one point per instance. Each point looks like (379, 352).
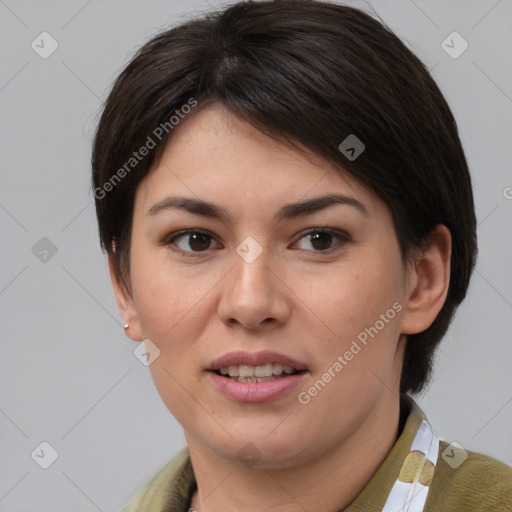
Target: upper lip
(255, 359)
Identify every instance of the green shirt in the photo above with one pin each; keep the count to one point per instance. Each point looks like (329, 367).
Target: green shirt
(479, 484)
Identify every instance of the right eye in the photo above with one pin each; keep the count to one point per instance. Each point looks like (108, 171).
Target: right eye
(198, 241)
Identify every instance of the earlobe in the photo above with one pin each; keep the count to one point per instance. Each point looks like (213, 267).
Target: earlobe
(428, 282)
(125, 304)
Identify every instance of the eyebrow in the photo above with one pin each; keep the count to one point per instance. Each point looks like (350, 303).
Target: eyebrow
(288, 211)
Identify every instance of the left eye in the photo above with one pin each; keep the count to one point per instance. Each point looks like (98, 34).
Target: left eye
(198, 241)
(321, 238)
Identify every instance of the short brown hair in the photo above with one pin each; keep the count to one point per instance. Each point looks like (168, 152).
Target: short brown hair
(308, 73)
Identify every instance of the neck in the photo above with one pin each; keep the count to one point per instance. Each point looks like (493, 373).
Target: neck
(328, 483)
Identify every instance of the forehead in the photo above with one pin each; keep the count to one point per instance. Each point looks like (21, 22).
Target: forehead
(214, 154)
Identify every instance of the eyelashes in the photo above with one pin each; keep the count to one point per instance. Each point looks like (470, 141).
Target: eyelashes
(200, 241)
(324, 233)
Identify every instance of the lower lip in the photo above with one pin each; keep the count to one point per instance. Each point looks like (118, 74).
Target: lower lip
(256, 391)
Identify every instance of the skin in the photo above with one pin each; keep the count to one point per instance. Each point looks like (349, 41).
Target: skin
(296, 298)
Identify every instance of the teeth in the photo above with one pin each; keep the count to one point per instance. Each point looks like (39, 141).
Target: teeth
(246, 373)
(265, 379)
(263, 371)
(256, 379)
(277, 369)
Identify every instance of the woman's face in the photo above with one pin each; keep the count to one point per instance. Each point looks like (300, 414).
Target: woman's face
(269, 282)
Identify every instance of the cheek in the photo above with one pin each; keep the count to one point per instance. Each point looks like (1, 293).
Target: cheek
(158, 304)
(350, 301)
(174, 310)
(166, 296)
(172, 315)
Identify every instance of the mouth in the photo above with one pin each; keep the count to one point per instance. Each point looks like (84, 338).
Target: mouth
(260, 373)
(245, 377)
(256, 367)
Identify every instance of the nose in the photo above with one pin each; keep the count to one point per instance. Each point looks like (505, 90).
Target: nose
(254, 294)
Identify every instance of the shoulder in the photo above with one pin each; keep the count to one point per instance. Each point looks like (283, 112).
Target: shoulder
(466, 480)
(172, 480)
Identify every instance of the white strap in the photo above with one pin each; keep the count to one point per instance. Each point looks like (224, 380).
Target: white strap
(411, 496)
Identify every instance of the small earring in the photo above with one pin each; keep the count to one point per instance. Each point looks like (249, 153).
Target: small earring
(125, 326)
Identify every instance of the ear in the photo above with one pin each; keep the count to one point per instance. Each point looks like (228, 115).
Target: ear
(427, 282)
(125, 304)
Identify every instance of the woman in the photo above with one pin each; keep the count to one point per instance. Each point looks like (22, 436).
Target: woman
(290, 227)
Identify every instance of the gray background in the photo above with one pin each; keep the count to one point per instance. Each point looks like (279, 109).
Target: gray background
(68, 375)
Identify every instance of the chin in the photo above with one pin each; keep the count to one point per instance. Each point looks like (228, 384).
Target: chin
(259, 449)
